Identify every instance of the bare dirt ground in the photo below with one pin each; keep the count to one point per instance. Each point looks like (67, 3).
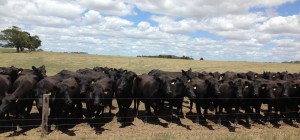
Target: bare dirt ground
(110, 128)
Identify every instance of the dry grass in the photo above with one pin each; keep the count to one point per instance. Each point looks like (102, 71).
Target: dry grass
(57, 61)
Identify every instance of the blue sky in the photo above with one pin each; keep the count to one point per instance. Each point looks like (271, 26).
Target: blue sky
(231, 30)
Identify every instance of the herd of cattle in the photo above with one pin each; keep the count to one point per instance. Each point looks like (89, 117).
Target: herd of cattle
(97, 87)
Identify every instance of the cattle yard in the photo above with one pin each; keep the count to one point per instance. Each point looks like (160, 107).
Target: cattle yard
(108, 127)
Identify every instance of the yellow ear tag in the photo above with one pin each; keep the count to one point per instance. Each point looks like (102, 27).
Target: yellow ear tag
(173, 83)
(195, 87)
(19, 72)
(263, 87)
(255, 76)
(105, 92)
(93, 82)
(49, 93)
(273, 75)
(274, 89)
(246, 86)
(189, 81)
(295, 87)
(221, 77)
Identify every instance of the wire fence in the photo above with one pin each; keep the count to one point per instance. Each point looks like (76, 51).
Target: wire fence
(166, 115)
(177, 98)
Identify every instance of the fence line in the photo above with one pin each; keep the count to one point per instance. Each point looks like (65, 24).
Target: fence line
(254, 98)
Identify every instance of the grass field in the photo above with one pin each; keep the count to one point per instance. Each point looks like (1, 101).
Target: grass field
(55, 62)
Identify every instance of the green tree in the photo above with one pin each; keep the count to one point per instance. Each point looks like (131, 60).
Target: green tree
(14, 37)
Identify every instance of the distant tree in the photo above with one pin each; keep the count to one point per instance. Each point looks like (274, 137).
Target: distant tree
(201, 58)
(14, 37)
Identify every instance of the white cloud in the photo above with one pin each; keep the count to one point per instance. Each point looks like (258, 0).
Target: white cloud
(200, 9)
(279, 24)
(110, 7)
(103, 27)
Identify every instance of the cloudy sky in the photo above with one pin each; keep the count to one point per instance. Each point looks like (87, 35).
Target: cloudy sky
(231, 30)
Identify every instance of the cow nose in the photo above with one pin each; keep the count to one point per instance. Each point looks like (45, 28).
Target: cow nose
(68, 102)
(96, 103)
(240, 96)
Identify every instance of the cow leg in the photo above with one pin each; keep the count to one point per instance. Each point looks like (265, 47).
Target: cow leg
(171, 111)
(237, 110)
(191, 107)
(199, 114)
(137, 106)
(257, 112)
(148, 112)
(269, 112)
(110, 106)
(247, 113)
(219, 113)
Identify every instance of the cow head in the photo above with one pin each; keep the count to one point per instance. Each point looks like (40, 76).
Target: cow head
(238, 88)
(185, 79)
(213, 85)
(63, 92)
(102, 89)
(40, 71)
(284, 88)
(256, 87)
(125, 82)
(6, 102)
(165, 84)
(84, 83)
(39, 92)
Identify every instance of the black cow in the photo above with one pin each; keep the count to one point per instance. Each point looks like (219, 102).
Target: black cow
(48, 84)
(244, 97)
(151, 90)
(270, 76)
(66, 101)
(205, 90)
(86, 76)
(291, 100)
(100, 96)
(228, 76)
(252, 75)
(23, 91)
(226, 99)
(180, 87)
(264, 95)
(124, 93)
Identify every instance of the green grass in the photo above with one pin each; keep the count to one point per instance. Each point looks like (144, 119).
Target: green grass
(7, 50)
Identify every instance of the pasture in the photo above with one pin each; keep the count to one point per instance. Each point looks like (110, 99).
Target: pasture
(112, 129)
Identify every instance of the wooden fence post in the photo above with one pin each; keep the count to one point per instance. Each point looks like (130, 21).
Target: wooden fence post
(45, 113)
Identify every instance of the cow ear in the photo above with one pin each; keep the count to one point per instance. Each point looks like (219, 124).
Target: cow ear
(183, 72)
(34, 68)
(230, 83)
(42, 67)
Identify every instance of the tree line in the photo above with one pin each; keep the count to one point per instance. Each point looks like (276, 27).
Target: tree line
(167, 56)
(14, 37)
